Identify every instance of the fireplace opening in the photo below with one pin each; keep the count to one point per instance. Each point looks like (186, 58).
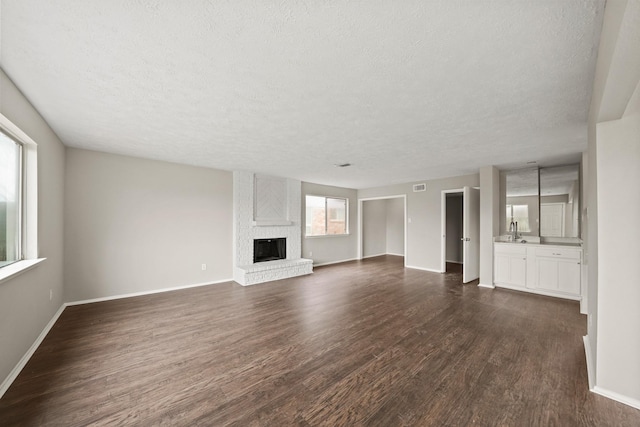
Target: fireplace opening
(269, 249)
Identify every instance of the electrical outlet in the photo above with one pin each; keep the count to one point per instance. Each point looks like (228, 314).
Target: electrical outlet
(50, 294)
(204, 267)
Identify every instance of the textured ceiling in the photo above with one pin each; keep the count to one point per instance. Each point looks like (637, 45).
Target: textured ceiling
(404, 91)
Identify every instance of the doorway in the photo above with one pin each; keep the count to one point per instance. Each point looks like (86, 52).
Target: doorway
(460, 220)
(382, 226)
(453, 232)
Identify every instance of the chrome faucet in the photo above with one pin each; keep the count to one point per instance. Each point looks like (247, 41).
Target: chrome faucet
(513, 228)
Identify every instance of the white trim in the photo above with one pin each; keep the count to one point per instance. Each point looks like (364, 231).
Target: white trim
(587, 352)
(634, 403)
(406, 222)
(29, 178)
(454, 262)
(482, 285)
(23, 362)
(423, 269)
(390, 253)
(373, 256)
(12, 270)
(137, 294)
(538, 291)
(320, 236)
(335, 262)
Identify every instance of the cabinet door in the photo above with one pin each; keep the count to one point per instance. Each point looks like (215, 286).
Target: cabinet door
(502, 268)
(569, 277)
(518, 270)
(547, 274)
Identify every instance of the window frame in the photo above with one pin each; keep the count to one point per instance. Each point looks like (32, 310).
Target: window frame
(326, 216)
(20, 198)
(28, 201)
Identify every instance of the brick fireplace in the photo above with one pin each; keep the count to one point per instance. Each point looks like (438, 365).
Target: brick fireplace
(267, 207)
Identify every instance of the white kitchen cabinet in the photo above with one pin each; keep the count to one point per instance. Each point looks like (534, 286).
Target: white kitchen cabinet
(539, 268)
(558, 270)
(510, 265)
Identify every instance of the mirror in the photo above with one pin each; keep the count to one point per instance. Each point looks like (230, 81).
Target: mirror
(519, 201)
(560, 201)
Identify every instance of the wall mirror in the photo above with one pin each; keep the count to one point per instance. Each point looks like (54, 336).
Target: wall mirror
(519, 201)
(560, 201)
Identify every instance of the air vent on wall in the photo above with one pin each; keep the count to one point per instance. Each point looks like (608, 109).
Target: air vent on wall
(419, 187)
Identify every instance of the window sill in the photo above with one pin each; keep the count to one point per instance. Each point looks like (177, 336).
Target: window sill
(13, 270)
(327, 235)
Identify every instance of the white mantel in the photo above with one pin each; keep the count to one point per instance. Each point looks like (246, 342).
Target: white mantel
(267, 207)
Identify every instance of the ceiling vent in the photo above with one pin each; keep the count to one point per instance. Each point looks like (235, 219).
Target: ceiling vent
(419, 187)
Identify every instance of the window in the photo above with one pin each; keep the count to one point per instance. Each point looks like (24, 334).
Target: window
(10, 200)
(519, 214)
(18, 201)
(326, 216)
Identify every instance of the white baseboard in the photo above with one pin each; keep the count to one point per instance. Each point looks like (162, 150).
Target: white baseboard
(482, 285)
(137, 294)
(634, 403)
(335, 262)
(590, 367)
(391, 253)
(424, 269)
(537, 291)
(373, 256)
(22, 363)
(454, 262)
(584, 307)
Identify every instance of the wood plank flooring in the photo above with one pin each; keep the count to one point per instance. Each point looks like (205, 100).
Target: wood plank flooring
(359, 343)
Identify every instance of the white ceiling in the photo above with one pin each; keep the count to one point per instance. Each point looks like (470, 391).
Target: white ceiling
(404, 91)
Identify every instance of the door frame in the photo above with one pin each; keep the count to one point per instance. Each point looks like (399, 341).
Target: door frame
(443, 226)
(360, 233)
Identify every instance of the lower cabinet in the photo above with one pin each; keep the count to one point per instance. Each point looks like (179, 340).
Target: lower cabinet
(511, 266)
(543, 269)
(558, 270)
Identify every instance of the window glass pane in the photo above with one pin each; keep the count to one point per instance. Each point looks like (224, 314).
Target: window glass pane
(9, 200)
(336, 220)
(315, 216)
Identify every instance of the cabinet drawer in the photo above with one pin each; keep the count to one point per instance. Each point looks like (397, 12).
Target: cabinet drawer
(559, 252)
(511, 249)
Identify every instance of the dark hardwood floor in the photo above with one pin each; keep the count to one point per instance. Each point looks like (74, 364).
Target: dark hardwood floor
(359, 343)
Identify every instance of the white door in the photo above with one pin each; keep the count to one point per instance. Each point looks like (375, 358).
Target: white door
(471, 232)
(552, 219)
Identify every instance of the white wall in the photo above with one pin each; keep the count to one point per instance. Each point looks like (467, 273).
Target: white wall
(135, 225)
(613, 135)
(329, 249)
(25, 308)
(618, 346)
(395, 226)
(423, 212)
(489, 220)
(374, 228)
(454, 228)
